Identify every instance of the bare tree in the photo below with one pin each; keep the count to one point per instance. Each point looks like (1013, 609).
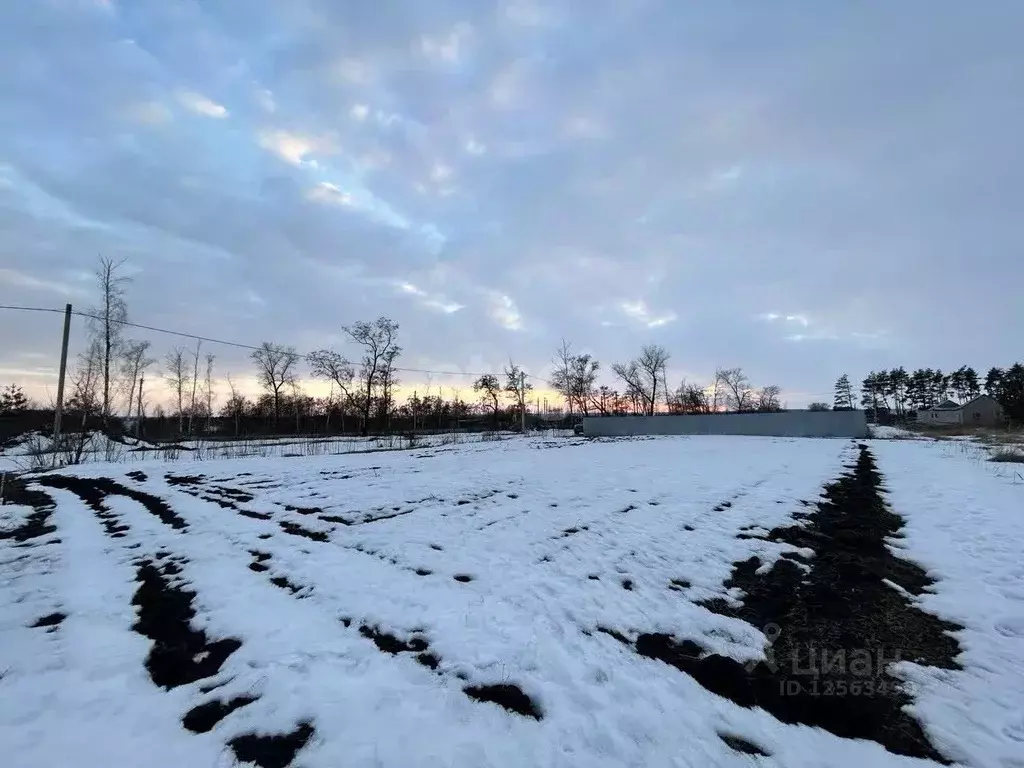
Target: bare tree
(561, 376)
(768, 399)
(603, 400)
(209, 385)
(379, 341)
(135, 360)
(736, 388)
(582, 377)
(177, 377)
(689, 398)
(235, 407)
(275, 368)
(195, 388)
(333, 367)
(517, 385)
(107, 325)
(490, 394)
(86, 401)
(643, 376)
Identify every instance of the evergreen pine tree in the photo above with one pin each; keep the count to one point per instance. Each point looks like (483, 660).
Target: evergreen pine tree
(843, 400)
(13, 400)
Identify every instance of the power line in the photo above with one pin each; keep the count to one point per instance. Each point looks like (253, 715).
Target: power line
(235, 344)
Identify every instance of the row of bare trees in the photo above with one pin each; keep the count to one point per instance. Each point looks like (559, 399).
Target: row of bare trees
(113, 372)
(645, 389)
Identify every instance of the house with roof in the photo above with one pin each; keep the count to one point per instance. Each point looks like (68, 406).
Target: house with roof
(982, 411)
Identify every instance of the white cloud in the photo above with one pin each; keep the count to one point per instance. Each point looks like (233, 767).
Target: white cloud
(521, 13)
(585, 128)
(429, 300)
(28, 282)
(359, 112)
(330, 194)
(639, 311)
(201, 105)
(293, 147)
(795, 318)
(353, 71)
(503, 310)
(149, 113)
(474, 147)
(447, 48)
(440, 173)
(266, 100)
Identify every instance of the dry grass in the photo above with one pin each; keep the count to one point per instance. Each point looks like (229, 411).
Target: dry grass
(1008, 456)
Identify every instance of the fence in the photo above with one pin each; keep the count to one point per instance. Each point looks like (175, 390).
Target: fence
(782, 424)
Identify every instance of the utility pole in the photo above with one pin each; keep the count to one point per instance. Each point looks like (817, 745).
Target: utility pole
(522, 402)
(58, 411)
(138, 415)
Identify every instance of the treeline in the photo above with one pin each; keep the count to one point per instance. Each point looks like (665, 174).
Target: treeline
(897, 395)
(116, 385)
(644, 389)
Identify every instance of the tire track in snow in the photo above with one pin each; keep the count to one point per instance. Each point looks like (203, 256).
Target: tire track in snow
(180, 653)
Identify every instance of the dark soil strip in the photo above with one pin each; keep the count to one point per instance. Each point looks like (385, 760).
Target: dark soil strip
(180, 654)
(235, 494)
(37, 523)
(506, 695)
(276, 751)
(114, 527)
(258, 560)
(836, 629)
(389, 643)
(283, 583)
(304, 510)
(203, 718)
(94, 490)
(297, 530)
(183, 480)
(742, 745)
(53, 620)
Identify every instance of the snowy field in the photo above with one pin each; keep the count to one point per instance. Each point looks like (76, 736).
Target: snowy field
(34, 450)
(528, 602)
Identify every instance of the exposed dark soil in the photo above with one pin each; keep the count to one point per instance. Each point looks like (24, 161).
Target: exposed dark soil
(16, 491)
(506, 695)
(138, 476)
(180, 654)
(389, 643)
(52, 620)
(254, 516)
(742, 745)
(465, 578)
(235, 494)
(835, 630)
(183, 480)
(94, 491)
(276, 751)
(284, 583)
(294, 529)
(203, 718)
(303, 510)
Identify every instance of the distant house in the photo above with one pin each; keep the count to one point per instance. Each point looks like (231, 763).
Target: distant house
(982, 411)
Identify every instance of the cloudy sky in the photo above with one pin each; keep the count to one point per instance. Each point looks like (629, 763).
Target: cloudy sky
(797, 188)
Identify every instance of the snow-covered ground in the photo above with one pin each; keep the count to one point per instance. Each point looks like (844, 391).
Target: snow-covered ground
(383, 598)
(35, 450)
